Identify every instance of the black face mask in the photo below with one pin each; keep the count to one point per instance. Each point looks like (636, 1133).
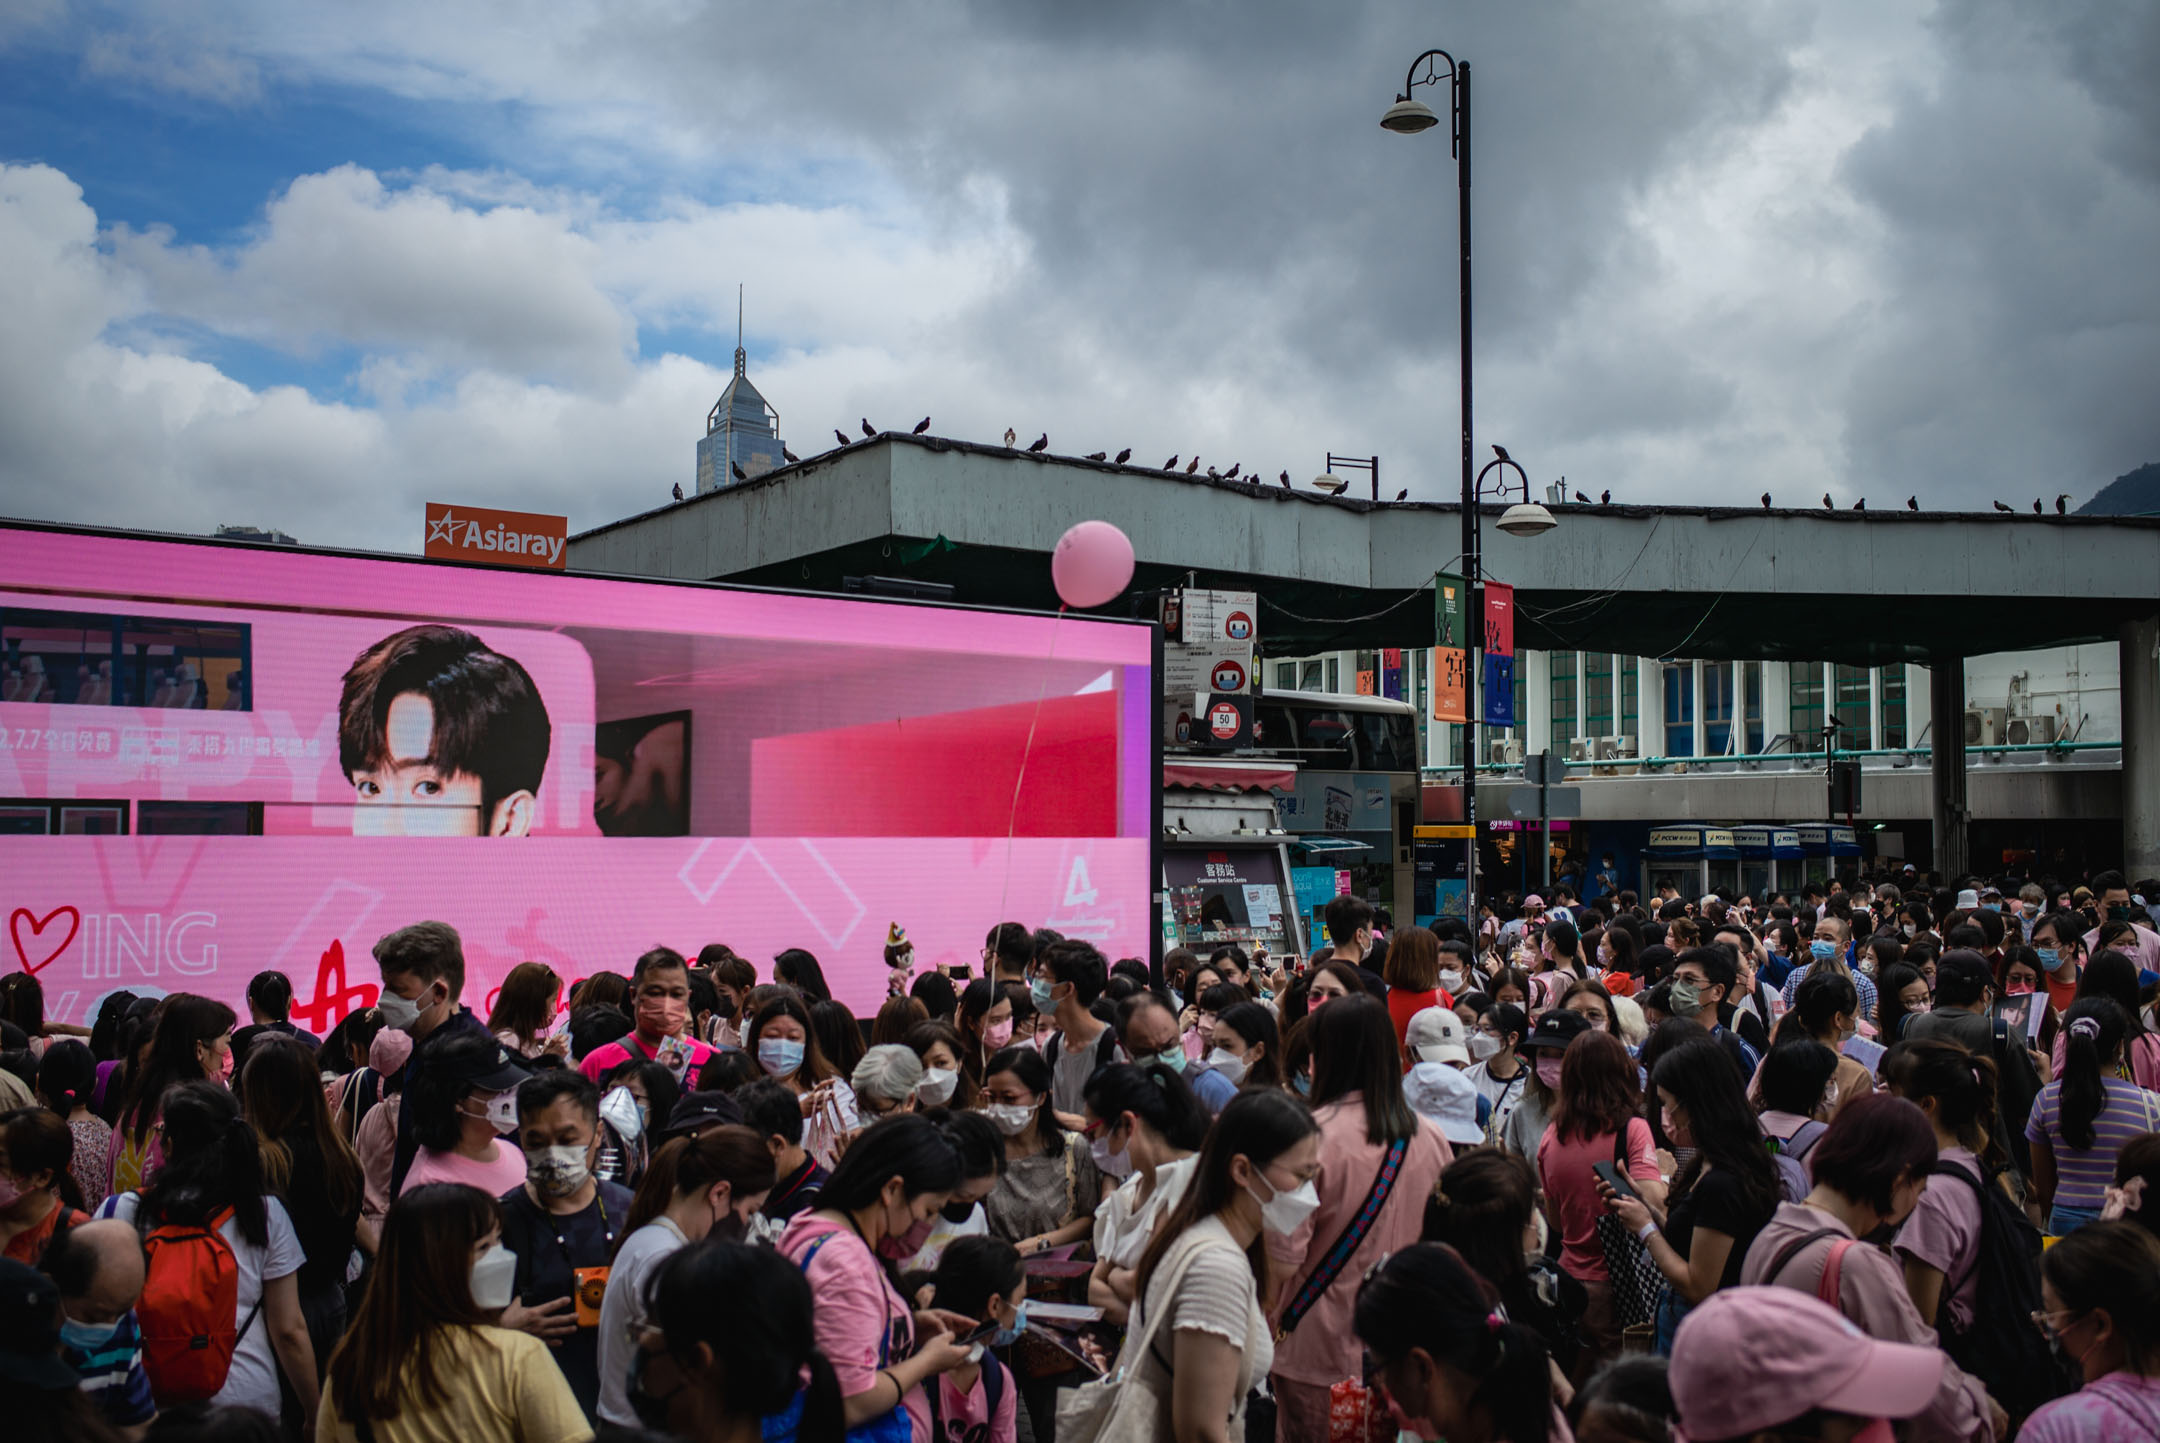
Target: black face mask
(957, 1212)
(651, 1408)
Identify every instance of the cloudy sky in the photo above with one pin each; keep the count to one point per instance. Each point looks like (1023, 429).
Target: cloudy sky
(308, 266)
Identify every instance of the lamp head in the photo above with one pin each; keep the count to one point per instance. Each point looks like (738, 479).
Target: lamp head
(1526, 518)
(1332, 484)
(1408, 117)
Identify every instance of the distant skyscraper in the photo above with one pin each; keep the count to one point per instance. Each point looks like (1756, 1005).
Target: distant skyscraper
(741, 431)
(254, 533)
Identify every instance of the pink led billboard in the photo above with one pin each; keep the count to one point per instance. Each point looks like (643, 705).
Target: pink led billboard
(219, 759)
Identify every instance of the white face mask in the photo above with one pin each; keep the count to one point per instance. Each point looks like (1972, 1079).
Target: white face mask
(1111, 1164)
(494, 1274)
(500, 1112)
(1484, 1046)
(620, 1110)
(1228, 1065)
(937, 1087)
(1010, 1118)
(1282, 1213)
(1451, 982)
(401, 1013)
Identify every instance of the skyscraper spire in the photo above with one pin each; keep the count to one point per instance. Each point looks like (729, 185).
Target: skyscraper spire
(741, 358)
(742, 432)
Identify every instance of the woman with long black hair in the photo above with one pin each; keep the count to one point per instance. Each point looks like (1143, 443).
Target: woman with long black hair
(424, 1358)
(190, 1041)
(1723, 1195)
(2083, 1118)
(2112, 975)
(1051, 1187)
(879, 1204)
(1941, 1240)
(213, 1168)
(1448, 1360)
(1144, 1125)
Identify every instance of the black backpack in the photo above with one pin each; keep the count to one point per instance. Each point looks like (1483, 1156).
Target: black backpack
(2001, 1347)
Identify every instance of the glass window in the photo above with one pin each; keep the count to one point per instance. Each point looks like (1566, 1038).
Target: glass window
(1717, 701)
(1893, 705)
(1598, 694)
(1751, 708)
(1334, 674)
(1286, 676)
(1630, 711)
(1679, 708)
(1807, 705)
(1562, 669)
(1853, 704)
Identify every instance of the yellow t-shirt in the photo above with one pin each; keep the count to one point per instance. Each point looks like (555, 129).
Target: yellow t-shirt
(504, 1388)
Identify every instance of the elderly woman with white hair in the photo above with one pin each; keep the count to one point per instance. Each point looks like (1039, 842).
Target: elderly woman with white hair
(885, 1081)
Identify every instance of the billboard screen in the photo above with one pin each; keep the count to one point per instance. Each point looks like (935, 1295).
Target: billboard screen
(218, 759)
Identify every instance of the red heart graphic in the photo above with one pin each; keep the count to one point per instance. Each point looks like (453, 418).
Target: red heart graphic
(37, 928)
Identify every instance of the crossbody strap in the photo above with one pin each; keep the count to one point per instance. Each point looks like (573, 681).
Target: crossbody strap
(1338, 1254)
(1833, 1266)
(1786, 1253)
(1152, 1324)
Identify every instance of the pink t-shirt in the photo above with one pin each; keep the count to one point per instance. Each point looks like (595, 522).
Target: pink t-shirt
(966, 1419)
(691, 1053)
(2121, 1405)
(1571, 1193)
(495, 1178)
(1944, 1233)
(862, 1324)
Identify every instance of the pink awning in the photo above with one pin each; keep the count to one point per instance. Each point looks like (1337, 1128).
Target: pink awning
(1229, 776)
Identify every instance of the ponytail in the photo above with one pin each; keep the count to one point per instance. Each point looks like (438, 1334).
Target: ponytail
(1962, 1085)
(2092, 1039)
(824, 1413)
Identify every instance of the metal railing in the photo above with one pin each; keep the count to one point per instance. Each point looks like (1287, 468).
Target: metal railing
(1785, 760)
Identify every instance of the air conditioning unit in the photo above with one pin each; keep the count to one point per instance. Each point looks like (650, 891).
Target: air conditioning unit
(1627, 745)
(1578, 750)
(1505, 752)
(1608, 749)
(2020, 731)
(1983, 726)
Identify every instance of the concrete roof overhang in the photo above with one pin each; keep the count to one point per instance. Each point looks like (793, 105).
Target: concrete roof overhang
(1859, 587)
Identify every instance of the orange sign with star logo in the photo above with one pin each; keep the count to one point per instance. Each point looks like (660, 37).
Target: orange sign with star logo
(498, 538)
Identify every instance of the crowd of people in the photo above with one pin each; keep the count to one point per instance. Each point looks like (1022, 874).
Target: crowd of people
(1871, 1160)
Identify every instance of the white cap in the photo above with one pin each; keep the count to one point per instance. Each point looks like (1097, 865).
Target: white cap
(1437, 1035)
(1440, 1092)
(1967, 900)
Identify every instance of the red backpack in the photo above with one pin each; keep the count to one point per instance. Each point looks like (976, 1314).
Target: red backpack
(191, 1293)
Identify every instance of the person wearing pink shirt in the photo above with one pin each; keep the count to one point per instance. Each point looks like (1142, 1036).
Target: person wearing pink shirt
(1869, 1170)
(2096, 1306)
(1379, 1162)
(464, 1112)
(660, 1009)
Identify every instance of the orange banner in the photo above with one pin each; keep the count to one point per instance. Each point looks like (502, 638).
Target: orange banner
(499, 538)
(1450, 684)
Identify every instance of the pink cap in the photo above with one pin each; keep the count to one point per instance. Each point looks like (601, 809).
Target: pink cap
(390, 1051)
(1533, 900)
(1751, 1358)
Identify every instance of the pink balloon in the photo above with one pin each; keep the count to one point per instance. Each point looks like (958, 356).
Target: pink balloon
(1092, 564)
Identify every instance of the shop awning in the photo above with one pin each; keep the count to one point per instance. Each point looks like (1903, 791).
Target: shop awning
(1782, 843)
(1228, 776)
(1828, 839)
(1689, 840)
(1316, 846)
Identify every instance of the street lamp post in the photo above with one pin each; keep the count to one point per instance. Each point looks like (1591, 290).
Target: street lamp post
(1409, 116)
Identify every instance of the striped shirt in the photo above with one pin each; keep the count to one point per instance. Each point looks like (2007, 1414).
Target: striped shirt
(2083, 1174)
(1862, 984)
(112, 1374)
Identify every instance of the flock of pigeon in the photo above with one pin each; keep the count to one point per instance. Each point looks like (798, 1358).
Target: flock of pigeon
(1192, 468)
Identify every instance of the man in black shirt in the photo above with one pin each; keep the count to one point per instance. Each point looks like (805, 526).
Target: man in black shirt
(269, 999)
(562, 1224)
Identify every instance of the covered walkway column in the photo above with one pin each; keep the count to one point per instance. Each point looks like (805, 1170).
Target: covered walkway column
(2140, 655)
(1946, 707)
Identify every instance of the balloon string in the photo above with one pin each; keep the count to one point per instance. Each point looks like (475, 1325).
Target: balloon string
(1012, 820)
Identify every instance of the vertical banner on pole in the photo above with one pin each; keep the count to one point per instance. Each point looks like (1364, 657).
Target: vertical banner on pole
(1391, 673)
(1498, 680)
(1451, 648)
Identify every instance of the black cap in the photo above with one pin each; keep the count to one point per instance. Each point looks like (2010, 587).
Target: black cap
(695, 1110)
(1964, 965)
(30, 1330)
(499, 1071)
(1556, 1029)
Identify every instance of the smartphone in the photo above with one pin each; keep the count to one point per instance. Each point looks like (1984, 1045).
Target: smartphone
(960, 972)
(1612, 1178)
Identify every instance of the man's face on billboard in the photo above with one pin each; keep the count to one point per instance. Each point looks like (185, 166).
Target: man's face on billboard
(410, 796)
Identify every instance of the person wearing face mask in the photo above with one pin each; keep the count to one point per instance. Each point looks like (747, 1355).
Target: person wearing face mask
(1496, 1071)
(562, 1222)
(984, 1024)
(424, 1358)
(877, 1207)
(1379, 1161)
(1869, 1171)
(708, 1186)
(784, 1040)
(35, 1150)
(1827, 952)
(1049, 1192)
(423, 972)
(1198, 1340)
(1524, 1126)
(660, 1012)
(1245, 1046)
(1066, 980)
(2111, 974)
(1772, 1365)
(1148, 1031)
(946, 1081)
(463, 1103)
(1144, 1125)
(982, 1279)
(2096, 1308)
(982, 1162)
(190, 1041)
(1449, 1363)
(98, 1269)
(2114, 904)
(885, 1081)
